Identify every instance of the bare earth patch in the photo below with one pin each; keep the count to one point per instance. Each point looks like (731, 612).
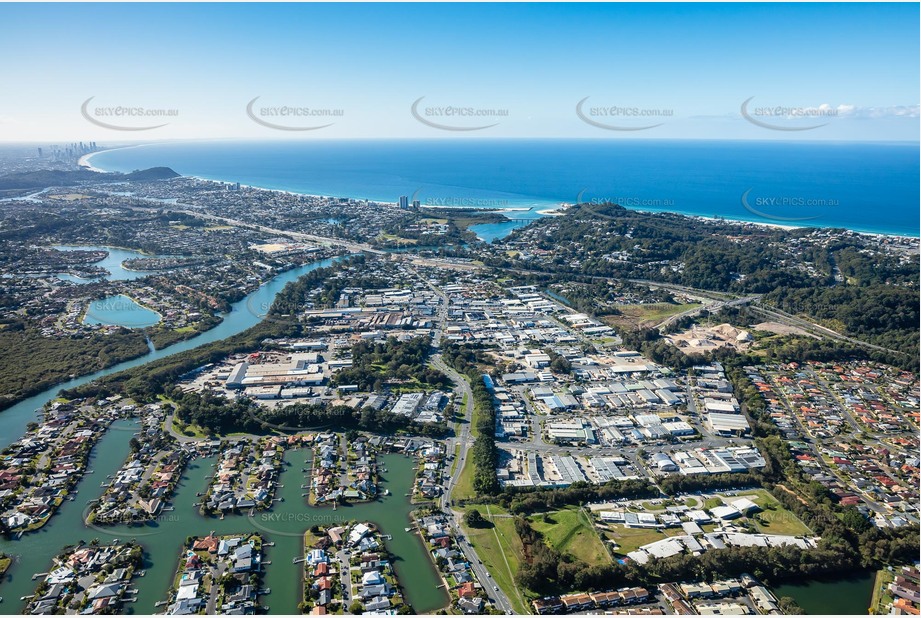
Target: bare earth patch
(782, 329)
(701, 339)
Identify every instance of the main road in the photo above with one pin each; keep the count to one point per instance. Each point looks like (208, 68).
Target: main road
(462, 442)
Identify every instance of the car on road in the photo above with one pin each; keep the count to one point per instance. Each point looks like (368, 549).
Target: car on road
(496, 588)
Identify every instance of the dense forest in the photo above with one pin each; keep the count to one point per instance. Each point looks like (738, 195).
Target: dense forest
(884, 315)
(32, 362)
(41, 179)
(485, 453)
(712, 255)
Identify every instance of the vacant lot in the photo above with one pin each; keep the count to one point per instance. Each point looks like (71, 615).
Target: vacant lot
(500, 550)
(570, 531)
(775, 519)
(645, 316)
(464, 488)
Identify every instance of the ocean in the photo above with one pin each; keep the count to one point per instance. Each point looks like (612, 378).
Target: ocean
(867, 187)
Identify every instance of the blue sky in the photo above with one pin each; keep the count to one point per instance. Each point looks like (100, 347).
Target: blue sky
(852, 68)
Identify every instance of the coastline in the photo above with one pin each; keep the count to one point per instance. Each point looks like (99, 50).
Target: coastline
(553, 208)
(84, 161)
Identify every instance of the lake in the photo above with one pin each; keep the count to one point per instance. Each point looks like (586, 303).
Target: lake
(120, 310)
(847, 596)
(112, 263)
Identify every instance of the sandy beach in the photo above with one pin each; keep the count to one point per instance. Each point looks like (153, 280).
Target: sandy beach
(84, 161)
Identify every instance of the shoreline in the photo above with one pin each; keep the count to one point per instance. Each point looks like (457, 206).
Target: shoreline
(555, 208)
(84, 161)
(132, 299)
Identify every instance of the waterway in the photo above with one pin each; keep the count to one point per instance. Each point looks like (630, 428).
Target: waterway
(243, 314)
(120, 310)
(284, 524)
(112, 263)
(488, 232)
(846, 596)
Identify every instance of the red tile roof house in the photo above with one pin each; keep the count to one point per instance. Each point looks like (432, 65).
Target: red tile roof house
(324, 583)
(209, 544)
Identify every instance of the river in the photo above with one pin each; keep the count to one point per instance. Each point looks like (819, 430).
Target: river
(162, 540)
(242, 315)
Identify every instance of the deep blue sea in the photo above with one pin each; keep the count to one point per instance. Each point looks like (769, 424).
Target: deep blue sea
(859, 186)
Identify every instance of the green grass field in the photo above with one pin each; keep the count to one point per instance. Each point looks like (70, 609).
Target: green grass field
(193, 431)
(775, 519)
(881, 595)
(464, 488)
(571, 532)
(501, 551)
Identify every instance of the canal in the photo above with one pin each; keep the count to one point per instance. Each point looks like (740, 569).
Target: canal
(284, 524)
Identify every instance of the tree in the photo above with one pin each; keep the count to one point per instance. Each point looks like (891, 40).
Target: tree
(561, 364)
(356, 607)
(474, 519)
(789, 606)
